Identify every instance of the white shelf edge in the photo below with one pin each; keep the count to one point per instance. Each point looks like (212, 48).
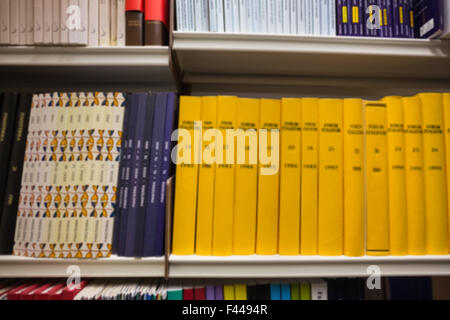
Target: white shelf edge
(22, 267)
(304, 266)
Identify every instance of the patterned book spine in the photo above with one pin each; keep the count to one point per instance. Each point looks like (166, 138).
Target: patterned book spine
(340, 17)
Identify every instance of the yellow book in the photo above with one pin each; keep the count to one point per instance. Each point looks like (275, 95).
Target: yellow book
(205, 202)
(305, 291)
(290, 177)
(331, 181)
(447, 148)
(240, 292)
(185, 207)
(246, 179)
(224, 181)
(295, 291)
(376, 179)
(434, 173)
(354, 195)
(228, 292)
(309, 196)
(398, 226)
(268, 185)
(415, 193)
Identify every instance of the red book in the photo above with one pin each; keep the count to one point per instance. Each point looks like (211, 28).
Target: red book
(69, 293)
(14, 294)
(156, 16)
(5, 290)
(27, 293)
(157, 10)
(188, 294)
(56, 292)
(38, 294)
(200, 293)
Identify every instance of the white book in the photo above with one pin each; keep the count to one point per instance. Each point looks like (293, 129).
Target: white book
(243, 15)
(48, 22)
(198, 15)
(228, 13)
(74, 26)
(316, 4)
(83, 32)
(205, 15)
(121, 24)
(324, 17)
(294, 21)
(93, 23)
(236, 21)
(113, 23)
(191, 15)
(185, 14)
(300, 17)
(4, 22)
(264, 23)
(220, 16)
(249, 15)
(278, 16)
(286, 17)
(309, 28)
(271, 16)
(22, 22)
(104, 27)
(56, 22)
(38, 21)
(179, 14)
(30, 22)
(64, 30)
(212, 15)
(319, 290)
(14, 27)
(256, 16)
(332, 15)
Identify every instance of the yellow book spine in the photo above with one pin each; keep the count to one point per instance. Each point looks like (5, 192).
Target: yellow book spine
(246, 178)
(376, 180)
(447, 148)
(290, 177)
(228, 292)
(309, 186)
(415, 193)
(331, 202)
(240, 292)
(434, 173)
(305, 291)
(268, 184)
(398, 226)
(224, 181)
(354, 191)
(185, 207)
(205, 202)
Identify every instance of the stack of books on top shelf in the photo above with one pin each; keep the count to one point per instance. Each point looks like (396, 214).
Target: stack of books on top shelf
(85, 181)
(312, 176)
(363, 18)
(84, 22)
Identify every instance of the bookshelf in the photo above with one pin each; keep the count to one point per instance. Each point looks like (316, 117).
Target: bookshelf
(85, 68)
(114, 267)
(296, 64)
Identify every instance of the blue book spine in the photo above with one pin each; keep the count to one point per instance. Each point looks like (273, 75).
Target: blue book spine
(387, 16)
(340, 18)
(379, 12)
(167, 169)
(135, 177)
(121, 180)
(411, 18)
(154, 182)
(428, 18)
(285, 292)
(126, 172)
(359, 23)
(275, 292)
(145, 173)
(367, 9)
(405, 18)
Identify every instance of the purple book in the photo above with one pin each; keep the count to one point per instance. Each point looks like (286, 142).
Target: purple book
(411, 18)
(405, 25)
(349, 5)
(428, 18)
(380, 32)
(340, 18)
(396, 18)
(358, 22)
(368, 5)
(219, 293)
(387, 18)
(210, 293)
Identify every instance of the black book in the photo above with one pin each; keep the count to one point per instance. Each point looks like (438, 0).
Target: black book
(7, 121)
(11, 201)
(251, 292)
(262, 292)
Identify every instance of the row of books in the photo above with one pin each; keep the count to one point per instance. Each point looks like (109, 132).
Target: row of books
(421, 288)
(84, 23)
(313, 176)
(369, 18)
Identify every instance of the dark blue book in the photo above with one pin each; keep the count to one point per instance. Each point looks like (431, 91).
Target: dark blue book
(396, 18)
(168, 168)
(411, 18)
(428, 18)
(358, 21)
(387, 18)
(123, 165)
(147, 148)
(135, 176)
(369, 10)
(154, 181)
(7, 121)
(409, 288)
(342, 17)
(406, 23)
